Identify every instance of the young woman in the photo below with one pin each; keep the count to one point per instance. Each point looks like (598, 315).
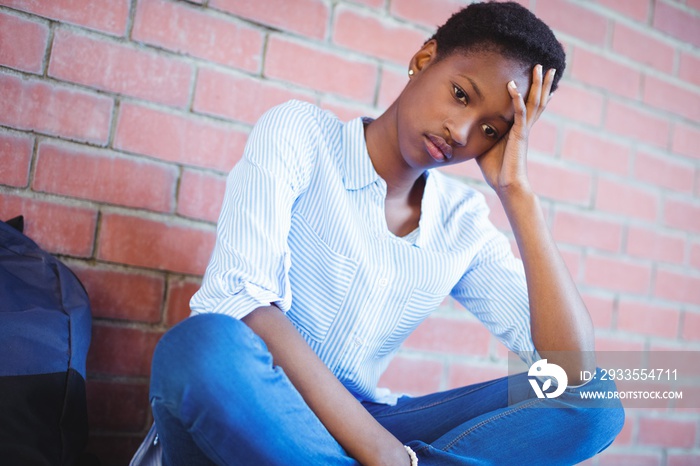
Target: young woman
(336, 240)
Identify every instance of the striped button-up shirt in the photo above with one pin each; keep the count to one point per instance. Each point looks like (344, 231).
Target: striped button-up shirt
(303, 227)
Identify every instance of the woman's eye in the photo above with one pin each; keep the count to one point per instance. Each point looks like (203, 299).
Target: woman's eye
(460, 95)
(489, 131)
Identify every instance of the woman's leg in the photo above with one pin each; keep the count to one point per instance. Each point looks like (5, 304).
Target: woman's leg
(218, 399)
(479, 425)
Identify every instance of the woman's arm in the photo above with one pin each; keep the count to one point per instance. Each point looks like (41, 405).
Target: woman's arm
(561, 326)
(345, 418)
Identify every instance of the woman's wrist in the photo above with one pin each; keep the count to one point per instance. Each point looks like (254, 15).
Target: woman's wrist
(412, 455)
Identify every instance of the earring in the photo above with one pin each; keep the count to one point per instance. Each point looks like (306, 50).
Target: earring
(410, 72)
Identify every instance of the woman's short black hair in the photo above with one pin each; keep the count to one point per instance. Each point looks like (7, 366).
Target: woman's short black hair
(504, 27)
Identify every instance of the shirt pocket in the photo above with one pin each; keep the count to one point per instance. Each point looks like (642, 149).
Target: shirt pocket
(320, 278)
(418, 307)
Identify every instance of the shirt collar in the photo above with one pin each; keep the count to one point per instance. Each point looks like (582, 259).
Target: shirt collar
(359, 171)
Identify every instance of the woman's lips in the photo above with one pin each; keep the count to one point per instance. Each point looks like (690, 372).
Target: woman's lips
(438, 148)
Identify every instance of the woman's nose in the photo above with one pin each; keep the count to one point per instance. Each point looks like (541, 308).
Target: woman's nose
(459, 130)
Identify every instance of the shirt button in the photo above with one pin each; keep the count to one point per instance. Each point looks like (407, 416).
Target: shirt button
(383, 282)
(357, 342)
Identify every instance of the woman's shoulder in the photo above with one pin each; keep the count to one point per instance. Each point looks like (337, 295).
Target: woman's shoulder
(295, 116)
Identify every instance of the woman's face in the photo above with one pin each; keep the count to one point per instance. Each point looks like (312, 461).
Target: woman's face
(456, 108)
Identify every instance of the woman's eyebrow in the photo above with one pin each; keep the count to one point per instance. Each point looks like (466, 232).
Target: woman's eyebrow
(476, 88)
(478, 93)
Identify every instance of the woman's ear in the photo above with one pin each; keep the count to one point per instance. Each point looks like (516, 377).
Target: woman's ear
(424, 56)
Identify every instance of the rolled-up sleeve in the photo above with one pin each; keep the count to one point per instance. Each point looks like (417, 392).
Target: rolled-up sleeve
(250, 262)
(494, 289)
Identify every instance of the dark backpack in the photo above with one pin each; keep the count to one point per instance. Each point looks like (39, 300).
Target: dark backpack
(45, 327)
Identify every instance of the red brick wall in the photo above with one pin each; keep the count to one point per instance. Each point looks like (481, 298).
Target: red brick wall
(120, 118)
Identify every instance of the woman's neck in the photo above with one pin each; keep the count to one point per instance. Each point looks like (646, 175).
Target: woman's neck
(384, 150)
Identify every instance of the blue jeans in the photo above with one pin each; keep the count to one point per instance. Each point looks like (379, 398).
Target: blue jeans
(218, 399)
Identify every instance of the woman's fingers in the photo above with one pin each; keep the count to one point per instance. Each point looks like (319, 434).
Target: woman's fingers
(535, 95)
(547, 87)
(540, 93)
(519, 107)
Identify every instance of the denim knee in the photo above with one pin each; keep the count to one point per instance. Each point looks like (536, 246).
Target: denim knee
(600, 418)
(198, 351)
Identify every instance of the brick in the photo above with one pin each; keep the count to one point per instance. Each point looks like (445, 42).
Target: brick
(322, 70)
(695, 255)
(596, 70)
(109, 16)
(346, 110)
(26, 54)
(682, 215)
(450, 336)
(672, 98)
(180, 138)
(121, 351)
(15, 157)
(370, 3)
(120, 69)
(577, 104)
(690, 330)
(686, 140)
(238, 97)
(600, 309)
(666, 432)
(105, 177)
(461, 375)
(617, 274)
(689, 68)
(117, 406)
(201, 195)
(177, 307)
(185, 29)
(573, 20)
(58, 228)
(686, 365)
(400, 376)
(677, 286)
(617, 343)
(647, 319)
(640, 125)
(596, 151)
(391, 83)
(677, 23)
(630, 459)
(625, 435)
(543, 137)
(624, 199)
(643, 47)
(585, 229)
(683, 459)
(560, 182)
(426, 12)
(635, 9)
(693, 4)
(647, 243)
(664, 171)
(55, 110)
(156, 245)
(121, 294)
(375, 36)
(305, 17)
